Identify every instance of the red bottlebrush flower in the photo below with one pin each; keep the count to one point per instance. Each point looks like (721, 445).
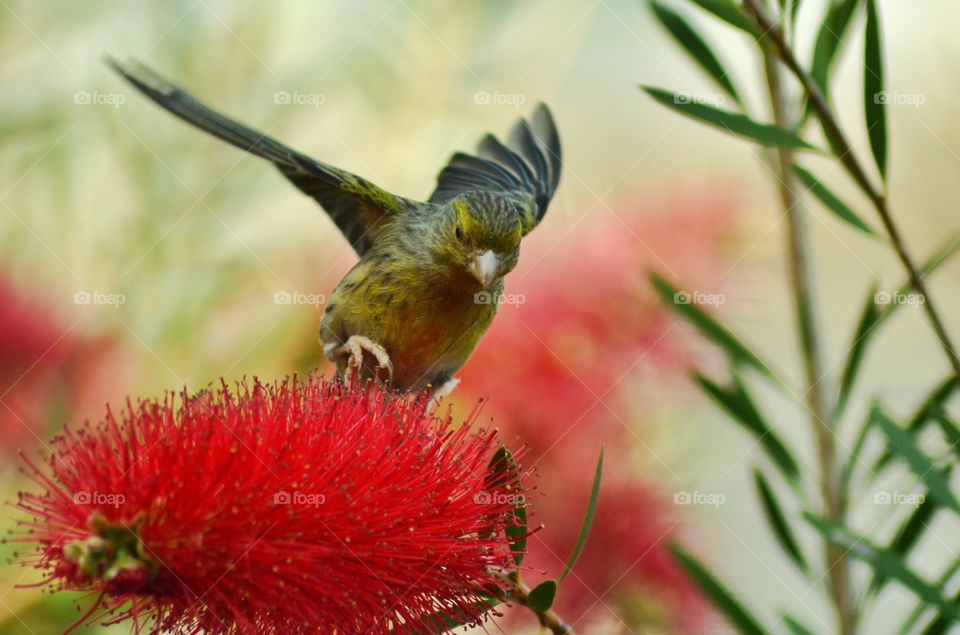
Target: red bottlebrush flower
(298, 507)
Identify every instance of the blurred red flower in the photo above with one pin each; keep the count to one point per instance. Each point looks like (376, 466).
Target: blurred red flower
(578, 331)
(297, 507)
(32, 348)
(46, 366)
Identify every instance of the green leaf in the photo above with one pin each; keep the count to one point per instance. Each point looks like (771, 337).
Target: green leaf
(504, 473)
(869, 318)
(927, 411)
(950, 432)
(882, 561)
(764, 134)
(721, 598)
(903, 445)
(854, 460)
(796, 628)
(941, 623)
(874, 98)
(696, 47)
(708, 326)
(587, 519)
(869, 322)
(907, 537)
(730, 13)
(541, 598)
(778, 521)
(831, 202)
(736, 402)
(829, 41)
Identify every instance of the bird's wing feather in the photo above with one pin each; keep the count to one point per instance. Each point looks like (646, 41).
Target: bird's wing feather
(359, 208)
(528, 164)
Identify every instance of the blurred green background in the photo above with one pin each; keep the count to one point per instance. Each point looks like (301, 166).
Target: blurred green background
(152, 255)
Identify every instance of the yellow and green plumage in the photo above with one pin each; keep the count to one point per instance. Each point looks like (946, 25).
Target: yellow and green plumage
(430, 274)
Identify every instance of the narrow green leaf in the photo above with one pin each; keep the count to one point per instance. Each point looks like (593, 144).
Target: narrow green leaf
(882, 561)
(721, 598)
(903, 445)
(907, 537)
(829, 42)
(941, 623)
(831, 202)
(541, 598)
(696, 47)
(736, 402)
(869, 316)
(735, 123)
(587, 518)
(730, 13)
(874, 97)
(708, 326)
(796, 628)
(778, 521)
(950, 432)
(846, 478)
(927, 411)
(504, 473)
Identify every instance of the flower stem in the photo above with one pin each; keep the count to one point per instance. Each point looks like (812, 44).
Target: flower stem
(519, 593)
(802, 284)
(848, 159)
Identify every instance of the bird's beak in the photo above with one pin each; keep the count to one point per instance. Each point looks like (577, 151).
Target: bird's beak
(484, 267)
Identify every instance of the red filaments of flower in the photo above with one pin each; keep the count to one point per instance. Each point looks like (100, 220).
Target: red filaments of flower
(297, 507)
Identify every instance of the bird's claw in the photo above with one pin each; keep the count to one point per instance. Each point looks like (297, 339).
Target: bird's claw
(354, 348)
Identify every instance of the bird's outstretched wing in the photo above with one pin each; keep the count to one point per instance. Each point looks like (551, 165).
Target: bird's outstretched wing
(528, 164)
(359, 208)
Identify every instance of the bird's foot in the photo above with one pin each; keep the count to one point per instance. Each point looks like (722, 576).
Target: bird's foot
(354, 349)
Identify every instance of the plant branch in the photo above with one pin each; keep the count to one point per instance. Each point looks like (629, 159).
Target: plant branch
(802, 283)
(519, 593)
(848, 159)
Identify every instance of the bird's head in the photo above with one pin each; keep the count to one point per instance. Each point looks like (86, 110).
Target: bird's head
(481, 235)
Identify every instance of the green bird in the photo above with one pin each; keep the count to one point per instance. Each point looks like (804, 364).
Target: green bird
(430, 275)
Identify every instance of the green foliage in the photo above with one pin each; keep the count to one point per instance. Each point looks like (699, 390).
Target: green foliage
(709, 327)
(719, 595)
(587, 519)
(696, 47)
(777, 521)
(542, 596)
(735, 123)
(832, 202)
(874, 98)
(736, 402)
(832, 523)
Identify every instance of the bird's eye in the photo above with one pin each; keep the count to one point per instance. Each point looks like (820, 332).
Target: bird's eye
(459, 232)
